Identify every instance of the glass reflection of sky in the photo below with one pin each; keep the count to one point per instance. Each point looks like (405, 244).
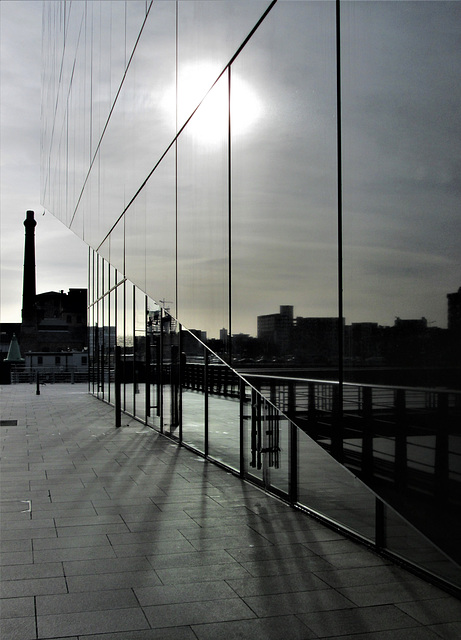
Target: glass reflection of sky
(211, 103)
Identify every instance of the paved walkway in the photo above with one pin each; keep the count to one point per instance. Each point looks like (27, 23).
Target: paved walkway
(121, 535)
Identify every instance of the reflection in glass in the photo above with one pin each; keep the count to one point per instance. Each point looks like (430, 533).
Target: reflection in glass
(128, 354)
(401, 205)
(120, 329)
(170, 375)
(224, 415)
(112, 343)
(140, 354)
(193, 394)
(154, 365)
(161, 234)
(208, 35)
(105, 356)
(233, 229)
(407, 542)
(284, 204)
(202, 236)
(327, 488)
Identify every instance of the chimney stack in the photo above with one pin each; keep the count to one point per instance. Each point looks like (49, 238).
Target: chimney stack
(28, 288)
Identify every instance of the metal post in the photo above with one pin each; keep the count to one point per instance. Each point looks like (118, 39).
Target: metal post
(37, 392)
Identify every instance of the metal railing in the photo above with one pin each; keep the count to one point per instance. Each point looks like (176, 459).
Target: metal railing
(403, 443)
(48, 375)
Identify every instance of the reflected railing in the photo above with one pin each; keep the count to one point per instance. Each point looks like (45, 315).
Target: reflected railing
(380, 463)
(403, 444)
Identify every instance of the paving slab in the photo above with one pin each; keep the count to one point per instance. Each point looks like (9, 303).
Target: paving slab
(120, 535)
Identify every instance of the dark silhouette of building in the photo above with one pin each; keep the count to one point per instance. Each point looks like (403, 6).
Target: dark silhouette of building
(454, 311)
(51, 321)
(274, 331)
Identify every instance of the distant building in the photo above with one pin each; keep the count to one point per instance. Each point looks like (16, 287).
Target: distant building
(51, 321)
(56, 360)
(454, 311)
(362, 342)
(317, 340)
(274, 329)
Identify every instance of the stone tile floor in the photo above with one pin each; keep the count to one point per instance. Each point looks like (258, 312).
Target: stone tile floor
(120, 535)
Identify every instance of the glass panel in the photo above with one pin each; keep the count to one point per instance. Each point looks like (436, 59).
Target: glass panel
(135, 11)
(252, 434)
(284, 185)
(224, 414)
(129, 350)
(92, 342)
(170, 375)
(161, 234)
(154, 370)
(91, 276)
(407, 542)
(100, 365)
(203, 280)
(401, 206)
(112, 343)
(117, 248)
(100, 276)
(105, 352)
(148, 96)
(193, 395)
(117, 57)
(140, 354)
(276, 447)
(136, 250)
(101, 70)
(120, 301)
(333, 491)
(208, 35)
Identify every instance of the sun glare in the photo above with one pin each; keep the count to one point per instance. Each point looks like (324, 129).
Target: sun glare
(209, 123)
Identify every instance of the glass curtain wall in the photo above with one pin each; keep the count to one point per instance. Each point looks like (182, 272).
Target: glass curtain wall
(275, 188)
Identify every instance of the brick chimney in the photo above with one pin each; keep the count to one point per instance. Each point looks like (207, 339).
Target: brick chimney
(28, 287)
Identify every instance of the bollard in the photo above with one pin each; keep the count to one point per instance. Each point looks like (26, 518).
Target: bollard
(37, 392)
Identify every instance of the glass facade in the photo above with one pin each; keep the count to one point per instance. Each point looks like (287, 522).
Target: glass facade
(270, 194)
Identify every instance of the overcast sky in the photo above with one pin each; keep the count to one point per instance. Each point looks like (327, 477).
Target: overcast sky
(61, 257)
